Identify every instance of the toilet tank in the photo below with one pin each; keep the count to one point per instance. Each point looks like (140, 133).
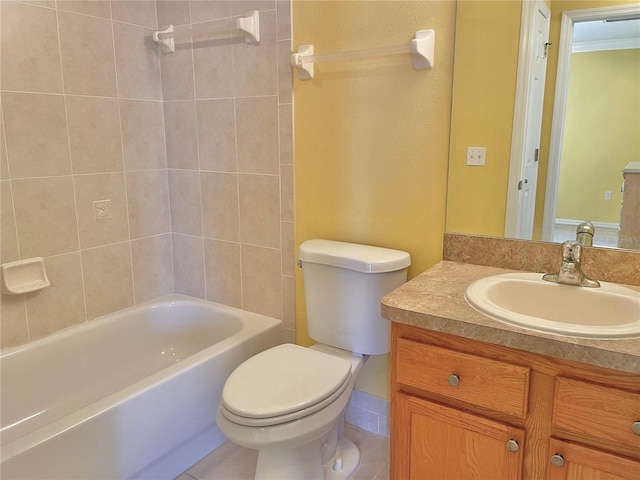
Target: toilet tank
(343, 285)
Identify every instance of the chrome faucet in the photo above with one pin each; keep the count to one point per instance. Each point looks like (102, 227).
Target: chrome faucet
(584, 233)
(571, 270)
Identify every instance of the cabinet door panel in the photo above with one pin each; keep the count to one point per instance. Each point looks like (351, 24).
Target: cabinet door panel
(584, 463)
(445, 443)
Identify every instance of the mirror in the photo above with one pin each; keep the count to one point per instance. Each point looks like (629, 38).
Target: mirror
(484, 95)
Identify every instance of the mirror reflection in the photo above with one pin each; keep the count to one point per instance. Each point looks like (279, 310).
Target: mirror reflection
(589, 133)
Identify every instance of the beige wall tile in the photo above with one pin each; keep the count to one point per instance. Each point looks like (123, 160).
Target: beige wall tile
(93, 74)
(177, 72)
(94, 134)
(289, 302)
(259, 210)
(173, 12)
(137, 63)
(220, 218)
(36, 134)
(30, 62)
(285, 72)
(261, 281)
(239, 7)
(152, 267)
(257, 132)
(97, 232)
(40, 3)
(222, 262)
(148, 203)
(288, 249)
(203, 10)
(13, 327)
(188, 265)
(286, 193)
(62, 303)
(217, 135)
(8, 238)
(184, 193)
(286, 133)
(181, 132)
(283, 12)
(138, 12)
(143, 141)
(108, 281)
(4, 166)
(45, 216)
(255, 67)
(213, 63)
(95, 8)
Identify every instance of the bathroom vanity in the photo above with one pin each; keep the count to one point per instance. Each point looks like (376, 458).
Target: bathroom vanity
(472, 397)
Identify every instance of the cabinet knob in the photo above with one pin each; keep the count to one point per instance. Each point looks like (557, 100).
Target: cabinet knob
(635, 427)
(557, 460)
(454, 380)
(512, 446)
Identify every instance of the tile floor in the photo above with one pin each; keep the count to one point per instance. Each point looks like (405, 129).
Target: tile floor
(231, 462)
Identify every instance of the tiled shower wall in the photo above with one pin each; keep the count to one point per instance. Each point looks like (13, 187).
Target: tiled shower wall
(192, 149)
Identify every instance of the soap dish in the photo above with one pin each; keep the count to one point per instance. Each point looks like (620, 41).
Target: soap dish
(24, 276)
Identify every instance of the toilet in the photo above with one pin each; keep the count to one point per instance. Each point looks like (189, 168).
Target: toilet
(288, 402)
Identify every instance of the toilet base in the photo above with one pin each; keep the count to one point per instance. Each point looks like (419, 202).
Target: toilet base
(348, 456)
(305, 462)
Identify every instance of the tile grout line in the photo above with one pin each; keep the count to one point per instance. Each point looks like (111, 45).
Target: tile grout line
(73, 182)
(124, 166)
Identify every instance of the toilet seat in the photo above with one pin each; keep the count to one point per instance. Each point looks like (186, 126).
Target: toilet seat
(282, 384)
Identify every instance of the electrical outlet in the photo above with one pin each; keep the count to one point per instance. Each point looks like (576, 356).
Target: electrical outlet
(476, 155)
(102, 209)
(607, 195)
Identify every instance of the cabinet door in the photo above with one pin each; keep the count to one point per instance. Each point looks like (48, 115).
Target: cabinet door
(433, 441)
(575, 462)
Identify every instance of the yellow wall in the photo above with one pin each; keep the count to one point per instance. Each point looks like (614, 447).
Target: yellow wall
(557, 7)
(600, 133)
(486, 61)
(371, 138)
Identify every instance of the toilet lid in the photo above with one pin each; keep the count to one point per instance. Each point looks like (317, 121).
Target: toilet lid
(283, 380)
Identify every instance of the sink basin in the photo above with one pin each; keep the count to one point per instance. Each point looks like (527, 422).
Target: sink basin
(525, 300)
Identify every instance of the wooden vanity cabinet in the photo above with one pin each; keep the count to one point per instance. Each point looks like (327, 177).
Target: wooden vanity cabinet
(463, 409)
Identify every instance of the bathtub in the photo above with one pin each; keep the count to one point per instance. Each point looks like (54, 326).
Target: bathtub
(129, 395)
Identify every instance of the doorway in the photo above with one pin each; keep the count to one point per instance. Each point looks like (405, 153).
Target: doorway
(585, 169)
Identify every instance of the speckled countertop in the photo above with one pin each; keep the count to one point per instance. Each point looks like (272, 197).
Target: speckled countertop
(434, 300)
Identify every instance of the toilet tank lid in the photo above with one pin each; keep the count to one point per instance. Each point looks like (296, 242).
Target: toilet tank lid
(361, 258)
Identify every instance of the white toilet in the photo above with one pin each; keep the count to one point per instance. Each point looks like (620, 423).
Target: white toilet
(288, 402)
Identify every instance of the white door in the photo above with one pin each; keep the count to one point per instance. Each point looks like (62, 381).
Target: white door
(523, 174)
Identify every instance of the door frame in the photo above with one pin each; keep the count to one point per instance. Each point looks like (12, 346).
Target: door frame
(569, 18)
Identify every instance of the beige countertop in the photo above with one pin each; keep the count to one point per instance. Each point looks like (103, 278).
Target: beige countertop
(434, 300)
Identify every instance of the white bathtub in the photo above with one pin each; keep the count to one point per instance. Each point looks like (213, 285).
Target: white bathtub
(130, 395)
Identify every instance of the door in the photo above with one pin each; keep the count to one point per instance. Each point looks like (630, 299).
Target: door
(434, 441)
(569, 461)
(523, 171)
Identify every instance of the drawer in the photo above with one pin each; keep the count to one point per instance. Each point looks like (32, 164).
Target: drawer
(492, 384)
(597, 412)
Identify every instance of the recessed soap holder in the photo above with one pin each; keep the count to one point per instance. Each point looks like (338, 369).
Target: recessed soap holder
(24, 276)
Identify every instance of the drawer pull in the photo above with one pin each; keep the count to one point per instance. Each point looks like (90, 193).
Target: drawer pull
(635, 427)
(557, 460)
(454, 380)
(512, 446)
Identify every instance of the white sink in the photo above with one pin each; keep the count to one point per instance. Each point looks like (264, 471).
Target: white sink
(525, 300)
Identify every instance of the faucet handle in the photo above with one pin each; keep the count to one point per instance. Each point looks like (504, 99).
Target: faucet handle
(571, 251)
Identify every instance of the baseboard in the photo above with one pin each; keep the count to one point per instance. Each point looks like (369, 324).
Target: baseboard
(368, 412)
(571, 221)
